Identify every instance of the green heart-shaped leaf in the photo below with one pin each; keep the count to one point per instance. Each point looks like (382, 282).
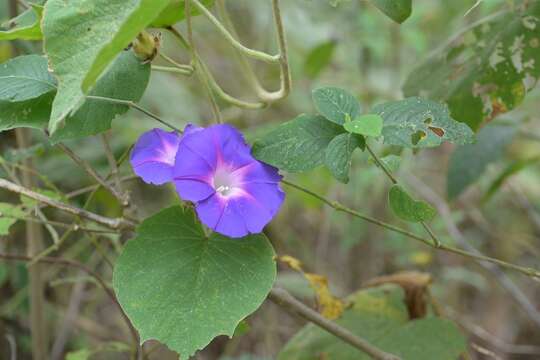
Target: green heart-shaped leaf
(184, 288)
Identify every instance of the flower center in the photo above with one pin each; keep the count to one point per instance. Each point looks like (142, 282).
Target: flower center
(224, 182)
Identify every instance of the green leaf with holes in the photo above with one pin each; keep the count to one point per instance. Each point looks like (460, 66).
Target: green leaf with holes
(175, 12)
(338, 155)
(416, 123)
(27, 92)
(379, 315)
(486, 70)
(80, 43)
(26, 26)
(368, 125)
(397, 10)
(183, 288)
(407, 208)
(297, 145)
(9, 215)
(335, 104)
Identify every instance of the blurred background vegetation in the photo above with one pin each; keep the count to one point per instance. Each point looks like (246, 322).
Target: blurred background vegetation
(352, 46)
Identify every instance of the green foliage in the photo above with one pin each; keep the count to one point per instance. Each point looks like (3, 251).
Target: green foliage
(175, 12)
(408, 209)
(80, 43)
(380, 316)
(467, 163)
(126, 79)
(9, 215)
(338, 155)
(297, 145)
(485, 71)
(27, 92)
(417, 123)
(27, 100)
(367, 125)
(335, 104)
(319, 58)
(397, 10)
(183, 288)
(26, 26)
(25, 78)
(510, 170)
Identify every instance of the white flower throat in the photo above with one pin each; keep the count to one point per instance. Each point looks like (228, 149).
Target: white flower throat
(225, 182)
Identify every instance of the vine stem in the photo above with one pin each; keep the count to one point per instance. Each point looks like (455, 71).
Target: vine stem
(285, 73)
(394, 181)
(533, 273)
(136, 107)
(255, 54)
(92, 273)
(197, 62)
(170, 69)
(282, 298)
(113, 223)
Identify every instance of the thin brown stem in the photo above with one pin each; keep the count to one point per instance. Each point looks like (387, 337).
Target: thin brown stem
(340, 207)
(291, 304)
(136, 107)
(114, 173)
(113, 223)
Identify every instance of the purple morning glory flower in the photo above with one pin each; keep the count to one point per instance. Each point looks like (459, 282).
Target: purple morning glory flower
(234, 194)
(154, 154)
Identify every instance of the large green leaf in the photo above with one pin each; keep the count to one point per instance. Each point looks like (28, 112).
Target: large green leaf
(467, 163)
(34, 88)
(335, 104)
(27, 92)
(174, 12)
(407, 208)
(486, 70)
(24, 78)
(338, 155)
(416, 123)
(380, 316)
(26, 26)
(126, 79)
(184, 288)
(83, 37)
(397, 10)
(297, 145)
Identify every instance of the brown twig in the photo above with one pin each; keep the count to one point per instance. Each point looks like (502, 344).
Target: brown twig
(291, 304)
(113, 223)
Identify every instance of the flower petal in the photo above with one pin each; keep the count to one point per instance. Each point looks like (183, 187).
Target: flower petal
(222, 215)
(192, 189)
(153, 156)
(231, 146)
(258, 172)
(259, 204)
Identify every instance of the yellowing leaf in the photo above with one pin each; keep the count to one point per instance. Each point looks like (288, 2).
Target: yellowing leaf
(329, 306)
